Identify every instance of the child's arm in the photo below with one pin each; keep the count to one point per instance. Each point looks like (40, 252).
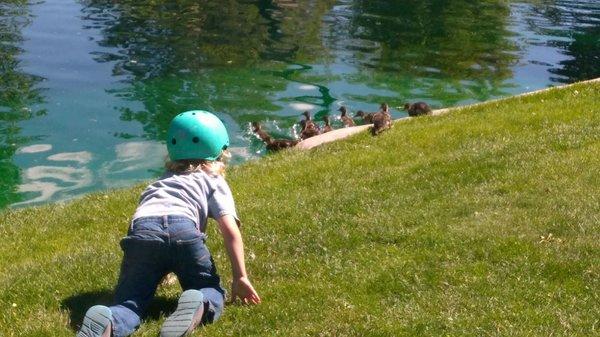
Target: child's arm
(241, 287)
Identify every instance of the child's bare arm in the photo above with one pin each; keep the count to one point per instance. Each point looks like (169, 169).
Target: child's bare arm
(241, 287)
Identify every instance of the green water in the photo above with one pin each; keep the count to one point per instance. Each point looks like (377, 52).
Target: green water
(87, 88)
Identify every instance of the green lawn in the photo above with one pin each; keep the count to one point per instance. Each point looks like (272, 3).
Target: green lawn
(481, 222)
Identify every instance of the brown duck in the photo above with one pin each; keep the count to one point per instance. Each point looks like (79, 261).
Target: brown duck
(417, 109)
(368, 116)
(309, 128)
(257, 129)
(382, 120)
(348, 121)
(272, 144)
(327, 126)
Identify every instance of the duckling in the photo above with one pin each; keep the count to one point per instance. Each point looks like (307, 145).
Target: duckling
(344, 116)
(280, 144)
(308, 119)
(309, 128)
(366, 117)
(417, 109)
(257, 129)
(327, 126)
(272, 144)
(382, 120)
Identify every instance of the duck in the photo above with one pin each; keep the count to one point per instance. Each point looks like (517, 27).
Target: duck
(368, 116)
(272, 144)
(257, 129)
(347, 121)
(327, 126)
(309, 128)
(417, 109)
(382, 120)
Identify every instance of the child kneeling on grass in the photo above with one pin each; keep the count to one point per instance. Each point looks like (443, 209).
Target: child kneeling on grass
(167, 235)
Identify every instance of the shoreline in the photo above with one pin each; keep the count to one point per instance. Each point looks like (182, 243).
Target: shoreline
(338, 134)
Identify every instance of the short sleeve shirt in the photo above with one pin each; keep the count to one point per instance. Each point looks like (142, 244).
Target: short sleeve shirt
(196, 195)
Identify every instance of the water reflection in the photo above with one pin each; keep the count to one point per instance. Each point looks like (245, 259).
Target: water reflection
(73, 172)
(165, 37)
(577, 24)
(220, 55)
(131, 157)
(440, 51)
(43, 182)
(81, 157)
(294, 29)
(35, 148)
(19, 96)
(40, 183)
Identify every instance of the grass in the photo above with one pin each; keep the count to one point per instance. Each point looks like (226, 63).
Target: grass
(481, 222)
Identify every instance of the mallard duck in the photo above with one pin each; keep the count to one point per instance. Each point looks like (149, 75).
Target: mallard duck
(327, 126)
(280, 144)
(309, 128)
(417, 109)
(366, 117)
(382, 120)
(257, 129)
(344, 116)
(270, 143)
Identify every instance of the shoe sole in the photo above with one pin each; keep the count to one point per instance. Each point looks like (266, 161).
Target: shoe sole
(96, 322)
(187, 315)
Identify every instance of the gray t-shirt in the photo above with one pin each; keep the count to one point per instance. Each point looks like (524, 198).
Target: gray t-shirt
(197, 196)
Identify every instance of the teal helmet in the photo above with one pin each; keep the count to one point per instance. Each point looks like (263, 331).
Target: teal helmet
(196, 134)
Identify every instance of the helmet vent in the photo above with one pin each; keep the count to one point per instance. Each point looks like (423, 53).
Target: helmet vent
(173, 141)
(195, 139)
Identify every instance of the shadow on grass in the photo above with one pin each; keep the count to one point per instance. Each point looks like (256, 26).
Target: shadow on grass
(78, 304)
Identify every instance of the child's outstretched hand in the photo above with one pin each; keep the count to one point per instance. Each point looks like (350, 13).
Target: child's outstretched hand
(242, 288)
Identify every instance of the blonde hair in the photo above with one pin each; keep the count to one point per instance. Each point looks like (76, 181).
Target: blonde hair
(211, 167)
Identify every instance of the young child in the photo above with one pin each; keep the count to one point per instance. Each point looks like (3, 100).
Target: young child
(167, 235)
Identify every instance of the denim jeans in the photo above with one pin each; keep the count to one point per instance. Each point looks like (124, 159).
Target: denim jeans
(153, 247)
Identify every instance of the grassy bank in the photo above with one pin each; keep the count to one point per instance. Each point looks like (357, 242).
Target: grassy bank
(481, 222)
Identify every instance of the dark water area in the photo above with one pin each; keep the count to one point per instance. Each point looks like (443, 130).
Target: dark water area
(87, 88)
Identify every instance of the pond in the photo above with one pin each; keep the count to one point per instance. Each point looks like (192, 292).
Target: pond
(87, 88)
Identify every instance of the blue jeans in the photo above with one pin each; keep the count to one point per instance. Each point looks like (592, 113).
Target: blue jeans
(153, 247)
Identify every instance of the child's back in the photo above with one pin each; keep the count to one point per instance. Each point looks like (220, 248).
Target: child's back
(196, 195)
